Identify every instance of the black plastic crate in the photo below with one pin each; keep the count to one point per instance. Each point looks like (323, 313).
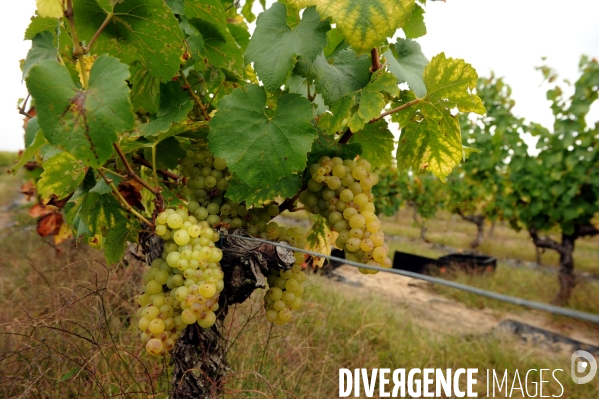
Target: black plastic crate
(415, 263)
(470, 263)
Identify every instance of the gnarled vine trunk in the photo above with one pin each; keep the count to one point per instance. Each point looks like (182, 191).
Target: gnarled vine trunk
(567, 279)
(200, 364)
(479, 221)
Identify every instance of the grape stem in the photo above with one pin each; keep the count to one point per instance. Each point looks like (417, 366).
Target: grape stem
(165, 173)
(78, 50)
(196, 98)
(122, 200)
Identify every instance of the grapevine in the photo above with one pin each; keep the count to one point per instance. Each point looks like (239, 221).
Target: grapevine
(169, 125)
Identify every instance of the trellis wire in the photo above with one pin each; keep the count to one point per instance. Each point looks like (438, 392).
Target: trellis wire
(489, 294)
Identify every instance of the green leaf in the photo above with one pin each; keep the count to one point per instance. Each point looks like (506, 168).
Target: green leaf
(372, 100)
(140, 30)
(286, 188)
(274, 45)
(324, 145)
(430, 137)
(336, 121)
(366, 24)
(38, 25)
(62, 175)
(211, 11)
(240, 34)
(407, 62)
(30, 151)
(339, 76)
(42, 49)
(262, 149)
(116, 240)
(176, 6)
(168, 153)
(145, 92)
(415, 27)
(377, 143)
(31, 131)
(175, 104)
(84, 123)
(219, 47)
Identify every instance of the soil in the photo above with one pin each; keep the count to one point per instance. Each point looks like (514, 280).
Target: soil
(443, 314)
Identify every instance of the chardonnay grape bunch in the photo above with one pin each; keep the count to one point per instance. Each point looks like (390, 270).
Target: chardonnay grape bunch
(341, 191)
(286, 286)
(182, 287)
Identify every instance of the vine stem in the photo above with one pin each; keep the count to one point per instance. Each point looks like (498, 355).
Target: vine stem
(122, 200)
(165, 173)
(394, 110)
(376, 60)
(196, 98)
(24, 105)
(346, 137)
(95, 37)
(131, 173)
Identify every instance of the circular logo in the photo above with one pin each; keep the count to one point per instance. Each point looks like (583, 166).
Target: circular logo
(583, 363)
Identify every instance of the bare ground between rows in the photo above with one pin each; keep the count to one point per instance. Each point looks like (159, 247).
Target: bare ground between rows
(442, 314)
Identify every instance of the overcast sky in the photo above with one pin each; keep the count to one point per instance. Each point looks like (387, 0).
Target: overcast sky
(508, 36)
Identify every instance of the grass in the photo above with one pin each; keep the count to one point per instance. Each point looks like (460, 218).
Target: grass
(452, 231)
(66, 331)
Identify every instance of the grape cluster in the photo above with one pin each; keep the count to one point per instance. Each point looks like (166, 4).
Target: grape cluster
(208, 180)
(183, 286)
(286, 286)
(340, 191)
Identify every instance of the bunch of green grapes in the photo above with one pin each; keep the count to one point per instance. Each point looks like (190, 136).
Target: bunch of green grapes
(183, 286)
(286, 286)
(341, 191)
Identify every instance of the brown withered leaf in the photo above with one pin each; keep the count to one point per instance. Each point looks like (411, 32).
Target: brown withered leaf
(50, 224)
(39, 210)
(28, 189)
(131, 192)
(59, 204)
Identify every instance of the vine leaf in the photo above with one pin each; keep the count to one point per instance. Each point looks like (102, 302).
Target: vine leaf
(260, 146)
(407, 62)
(430, 137)
(338, 75)
(116, 240)
(145, 92)
(84, 123)
(274, 45)
(415, 27)
(366, 24)
(62, 175)
(42, 49)
(286, 188)
(39, 24)
(211, 38)
(175, 104)
(377, 143)
(145, 31)
(50, 8)
(38, 142)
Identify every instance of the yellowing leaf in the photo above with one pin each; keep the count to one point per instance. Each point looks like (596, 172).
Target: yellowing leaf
(63, 234)
(366, 24)
(50, 8)
(430, 137)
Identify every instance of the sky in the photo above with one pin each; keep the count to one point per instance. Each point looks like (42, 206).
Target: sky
(509, 37)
